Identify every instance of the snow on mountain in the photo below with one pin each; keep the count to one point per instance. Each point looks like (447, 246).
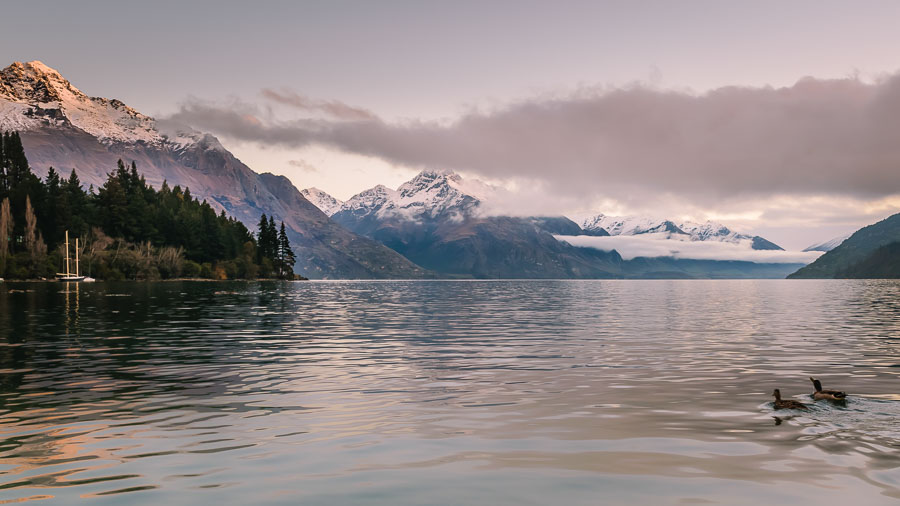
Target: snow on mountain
(33, 95)
(711, 231)
(829, 245)
(683, 231)
(632, 225)
(377, 200)
(325, 202)
(430, 194)
(435, 193)
(64, 128)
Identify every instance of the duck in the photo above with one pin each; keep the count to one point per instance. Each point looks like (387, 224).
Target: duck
(788, 404)
(831, 395)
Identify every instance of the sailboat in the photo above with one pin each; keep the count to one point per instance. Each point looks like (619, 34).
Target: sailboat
(68, 276)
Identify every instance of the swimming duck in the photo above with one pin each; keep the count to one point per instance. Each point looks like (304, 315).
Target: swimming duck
(831, 395)
(788, 404)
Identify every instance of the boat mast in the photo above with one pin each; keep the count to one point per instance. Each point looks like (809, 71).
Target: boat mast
(67, 253)
(76, 257)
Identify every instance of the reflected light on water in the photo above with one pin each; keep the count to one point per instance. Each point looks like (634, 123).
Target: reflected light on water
(448, 392)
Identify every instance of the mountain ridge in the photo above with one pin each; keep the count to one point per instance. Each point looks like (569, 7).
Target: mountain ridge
(684, 230)
(436, 223)
(432, 193)
(859, 254)
(62, 127)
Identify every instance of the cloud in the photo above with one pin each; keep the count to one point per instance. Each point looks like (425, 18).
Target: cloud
(654, 245)
(332, 108)
(303, 165)
(818, 137)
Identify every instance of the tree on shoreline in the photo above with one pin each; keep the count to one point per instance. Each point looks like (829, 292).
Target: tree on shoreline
(287, 259)
(134, 230)
(274, 248)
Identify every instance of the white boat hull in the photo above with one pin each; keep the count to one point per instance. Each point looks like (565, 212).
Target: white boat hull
(70, 278)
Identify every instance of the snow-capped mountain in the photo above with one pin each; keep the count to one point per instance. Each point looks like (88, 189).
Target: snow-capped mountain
(828, 245)
(63, 127)
(680, 231)
(33, 95)
(444, 223)
(325, 202)
(433, 193)
(373, 201)
(429, 195)
(435, 220)
(631, 225)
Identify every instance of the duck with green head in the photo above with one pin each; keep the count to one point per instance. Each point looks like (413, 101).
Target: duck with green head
(831, 395)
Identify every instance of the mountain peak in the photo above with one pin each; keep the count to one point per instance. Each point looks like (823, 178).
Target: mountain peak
(38, 68)
(35, 96)
(325, 202)
(35, 81)
(437, 173)
(427, 195)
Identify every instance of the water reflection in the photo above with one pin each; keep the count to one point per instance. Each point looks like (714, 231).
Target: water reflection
(445, 392)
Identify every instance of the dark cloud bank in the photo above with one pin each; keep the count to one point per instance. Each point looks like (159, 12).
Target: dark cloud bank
(816, 137)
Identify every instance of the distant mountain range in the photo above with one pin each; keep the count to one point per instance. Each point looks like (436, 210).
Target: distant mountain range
(683, 231)
(62, 127)
(870, 252)
(434, 221)
(436, 224)
(441, 221)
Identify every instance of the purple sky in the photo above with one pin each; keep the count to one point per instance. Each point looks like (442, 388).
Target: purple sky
(601, 106)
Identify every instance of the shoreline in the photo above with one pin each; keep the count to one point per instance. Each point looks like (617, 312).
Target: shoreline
(32, 280)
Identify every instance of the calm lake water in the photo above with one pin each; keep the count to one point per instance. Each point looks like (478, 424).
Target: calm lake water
(490, 392)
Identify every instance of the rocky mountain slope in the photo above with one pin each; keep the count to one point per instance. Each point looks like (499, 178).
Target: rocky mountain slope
(62, 127)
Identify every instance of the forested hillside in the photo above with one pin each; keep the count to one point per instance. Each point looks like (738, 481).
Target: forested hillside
(127, 228)
(871, 252)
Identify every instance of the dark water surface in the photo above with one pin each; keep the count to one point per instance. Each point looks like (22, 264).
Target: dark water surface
(493, 392)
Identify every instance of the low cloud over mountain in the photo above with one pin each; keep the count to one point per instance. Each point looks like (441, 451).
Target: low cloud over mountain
(839, 137)
(658, 245)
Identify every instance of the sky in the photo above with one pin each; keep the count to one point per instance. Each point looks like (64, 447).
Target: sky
(775, 118)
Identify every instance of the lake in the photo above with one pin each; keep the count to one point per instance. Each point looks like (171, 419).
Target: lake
(448, 392)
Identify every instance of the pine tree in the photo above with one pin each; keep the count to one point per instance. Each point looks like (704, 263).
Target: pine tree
(262, 239)
(113, 206)
(75, 206)
(287, 259)
(210, 232)
(54, 210)
(273, 240)
(17, 170)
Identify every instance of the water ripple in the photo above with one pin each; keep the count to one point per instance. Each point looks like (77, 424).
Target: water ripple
(518, 392)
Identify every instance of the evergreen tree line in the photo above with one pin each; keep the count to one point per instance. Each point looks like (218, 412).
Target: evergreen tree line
(274, 248)
(127, 228)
